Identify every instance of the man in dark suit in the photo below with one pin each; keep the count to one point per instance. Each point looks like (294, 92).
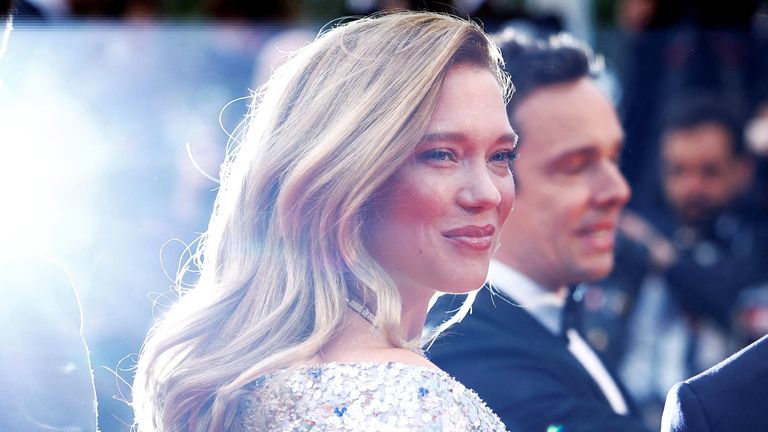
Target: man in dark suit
(515, 349)
(731, 396)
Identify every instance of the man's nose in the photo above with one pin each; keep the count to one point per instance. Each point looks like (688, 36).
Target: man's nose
(611, 188)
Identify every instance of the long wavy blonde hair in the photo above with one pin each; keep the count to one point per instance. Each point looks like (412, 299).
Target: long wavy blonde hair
(286, 242)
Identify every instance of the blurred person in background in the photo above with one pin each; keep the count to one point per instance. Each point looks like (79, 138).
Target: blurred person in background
(686, 47)
(685, 315)
(706, 173)
(519, 348)
(316, 274)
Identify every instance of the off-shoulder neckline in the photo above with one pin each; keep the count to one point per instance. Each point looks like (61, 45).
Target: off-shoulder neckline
(363, 364)
(367, 364)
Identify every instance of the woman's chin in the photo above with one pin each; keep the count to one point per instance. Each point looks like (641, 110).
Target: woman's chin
(462, 288)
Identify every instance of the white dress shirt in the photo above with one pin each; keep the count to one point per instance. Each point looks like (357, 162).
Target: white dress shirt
(547, 306)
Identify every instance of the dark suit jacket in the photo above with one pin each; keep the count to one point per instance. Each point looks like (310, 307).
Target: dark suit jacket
(731, 396)
(521, 370)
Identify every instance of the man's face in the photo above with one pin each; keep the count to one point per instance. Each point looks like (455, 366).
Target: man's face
(570, 194)
(700, 172)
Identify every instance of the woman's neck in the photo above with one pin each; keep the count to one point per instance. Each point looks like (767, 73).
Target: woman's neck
(415, 302)
(359, 341)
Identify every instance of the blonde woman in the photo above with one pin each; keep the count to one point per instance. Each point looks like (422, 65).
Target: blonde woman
(375, 171)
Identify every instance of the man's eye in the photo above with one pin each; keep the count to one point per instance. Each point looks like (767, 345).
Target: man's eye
(574, 165)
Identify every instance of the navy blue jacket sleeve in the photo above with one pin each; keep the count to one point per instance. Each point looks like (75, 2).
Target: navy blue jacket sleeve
(730, 396)
(683, 411)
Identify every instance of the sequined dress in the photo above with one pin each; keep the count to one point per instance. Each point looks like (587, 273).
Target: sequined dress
(363, 397)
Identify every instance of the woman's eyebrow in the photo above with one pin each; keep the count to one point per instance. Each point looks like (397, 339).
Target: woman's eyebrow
(512, 138)
(443, 137)
(460, 137)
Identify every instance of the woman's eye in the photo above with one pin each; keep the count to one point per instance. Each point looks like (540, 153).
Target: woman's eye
(440, 155)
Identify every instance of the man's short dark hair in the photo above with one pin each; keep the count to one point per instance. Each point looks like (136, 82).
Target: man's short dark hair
(535, 63)
(5, 8)
(693, 110)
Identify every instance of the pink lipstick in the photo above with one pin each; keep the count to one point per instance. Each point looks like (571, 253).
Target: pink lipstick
(478, 238)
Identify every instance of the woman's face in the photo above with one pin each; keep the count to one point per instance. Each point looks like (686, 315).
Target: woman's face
(437, 224)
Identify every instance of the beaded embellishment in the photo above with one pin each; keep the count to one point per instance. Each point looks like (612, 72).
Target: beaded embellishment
(363, 397)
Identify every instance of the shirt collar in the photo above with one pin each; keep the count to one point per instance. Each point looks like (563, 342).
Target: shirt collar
(544, 305)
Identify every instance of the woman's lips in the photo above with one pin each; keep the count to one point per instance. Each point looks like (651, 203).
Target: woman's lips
(473, 237)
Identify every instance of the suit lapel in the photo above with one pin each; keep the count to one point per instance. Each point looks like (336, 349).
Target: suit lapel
(493, 306)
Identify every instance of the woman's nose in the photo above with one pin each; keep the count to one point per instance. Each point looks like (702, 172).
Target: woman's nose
(478, 191)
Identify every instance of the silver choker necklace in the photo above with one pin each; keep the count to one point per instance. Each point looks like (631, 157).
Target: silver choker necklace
(362, 310)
